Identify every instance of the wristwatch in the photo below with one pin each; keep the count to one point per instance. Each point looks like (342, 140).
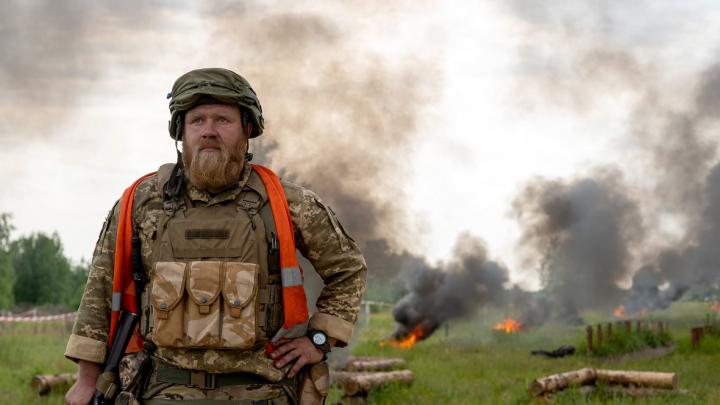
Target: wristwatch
(320, 340)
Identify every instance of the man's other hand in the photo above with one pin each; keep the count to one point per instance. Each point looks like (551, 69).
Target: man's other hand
(82, 391)
(300, 350)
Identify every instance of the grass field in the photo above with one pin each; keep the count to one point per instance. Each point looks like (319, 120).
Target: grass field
(27, 350)
(470, 364)
(473, 364)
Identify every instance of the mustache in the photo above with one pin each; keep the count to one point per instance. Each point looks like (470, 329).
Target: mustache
(213, 143)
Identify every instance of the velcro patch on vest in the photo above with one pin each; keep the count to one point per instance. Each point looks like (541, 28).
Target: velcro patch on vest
(207, 234)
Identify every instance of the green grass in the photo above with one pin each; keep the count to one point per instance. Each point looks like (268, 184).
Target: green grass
(474, 365)
(27, 350)
(470, 364)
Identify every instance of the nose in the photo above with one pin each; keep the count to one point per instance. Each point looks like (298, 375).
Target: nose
(209, 130)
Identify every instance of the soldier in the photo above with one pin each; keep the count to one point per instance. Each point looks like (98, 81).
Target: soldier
(223, 317)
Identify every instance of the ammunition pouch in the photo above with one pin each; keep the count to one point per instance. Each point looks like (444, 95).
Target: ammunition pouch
(204, 304)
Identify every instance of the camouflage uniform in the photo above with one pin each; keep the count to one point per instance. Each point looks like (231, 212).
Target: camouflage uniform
(319, 237)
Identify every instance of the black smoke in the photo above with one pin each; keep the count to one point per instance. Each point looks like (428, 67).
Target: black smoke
(581, 234)
(657, 231)
(454, 289)
(340, 117)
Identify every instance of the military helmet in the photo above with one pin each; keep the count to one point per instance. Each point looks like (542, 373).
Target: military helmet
(217, 84)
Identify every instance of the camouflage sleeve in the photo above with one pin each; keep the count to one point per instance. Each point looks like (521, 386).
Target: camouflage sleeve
(88, 340)
(336, 258)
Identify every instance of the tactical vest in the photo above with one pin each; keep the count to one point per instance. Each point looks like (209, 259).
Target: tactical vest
(214, 296)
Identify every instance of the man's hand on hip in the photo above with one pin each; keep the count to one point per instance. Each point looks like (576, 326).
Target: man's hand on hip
(300, 350)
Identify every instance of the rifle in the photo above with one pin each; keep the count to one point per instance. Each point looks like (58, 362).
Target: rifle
(107, 386)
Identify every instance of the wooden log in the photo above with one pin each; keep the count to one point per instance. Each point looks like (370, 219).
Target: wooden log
(599, 335)
(635, 392)
(374, 364)
(354, 383)
(561, 381)
(649, 379)
(43, 383)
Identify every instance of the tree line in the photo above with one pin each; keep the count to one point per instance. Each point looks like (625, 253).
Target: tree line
(35, 271)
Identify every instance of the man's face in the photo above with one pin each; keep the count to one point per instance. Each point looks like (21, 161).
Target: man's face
(214, 145)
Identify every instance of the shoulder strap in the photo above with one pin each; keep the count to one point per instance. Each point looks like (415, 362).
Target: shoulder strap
(294, 300)
(170, 179)
(123, 292)
(164, 173)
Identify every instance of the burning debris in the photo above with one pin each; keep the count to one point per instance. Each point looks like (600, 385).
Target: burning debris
(452, 290)
(406, 340)
(509, 325)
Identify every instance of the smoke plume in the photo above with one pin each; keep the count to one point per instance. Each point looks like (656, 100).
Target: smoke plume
(455, 289)
(340, 116)
(54, 53)
(586, 236)
(344, 129)
(579, 236)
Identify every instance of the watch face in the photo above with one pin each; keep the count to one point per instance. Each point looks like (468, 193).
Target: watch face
(319, 338)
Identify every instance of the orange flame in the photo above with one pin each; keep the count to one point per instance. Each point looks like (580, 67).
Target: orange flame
(407, 342)
(508, 326)
(619, 312)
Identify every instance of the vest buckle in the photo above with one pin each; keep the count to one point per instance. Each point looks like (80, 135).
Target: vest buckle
(202, 379)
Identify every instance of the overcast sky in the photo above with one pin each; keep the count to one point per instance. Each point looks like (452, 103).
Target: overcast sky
(438, 112)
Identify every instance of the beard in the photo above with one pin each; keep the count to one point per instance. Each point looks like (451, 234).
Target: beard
(214, 171)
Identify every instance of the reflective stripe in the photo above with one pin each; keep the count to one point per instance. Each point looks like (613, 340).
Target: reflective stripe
(116, 297)
(291, 277)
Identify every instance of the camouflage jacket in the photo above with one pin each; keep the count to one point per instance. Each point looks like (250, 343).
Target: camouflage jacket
(319, 237)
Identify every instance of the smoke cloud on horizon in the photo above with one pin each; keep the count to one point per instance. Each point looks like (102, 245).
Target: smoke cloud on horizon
(651, 218)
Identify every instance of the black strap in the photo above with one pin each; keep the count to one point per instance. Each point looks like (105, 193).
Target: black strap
(138, 271)
(272, 239)
(204, 380)
(172, 190)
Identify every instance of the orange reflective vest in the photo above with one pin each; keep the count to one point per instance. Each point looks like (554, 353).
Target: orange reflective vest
(295, 309)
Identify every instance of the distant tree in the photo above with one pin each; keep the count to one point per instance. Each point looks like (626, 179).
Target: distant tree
(7, 272)
(77, 280)
(42, 270)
